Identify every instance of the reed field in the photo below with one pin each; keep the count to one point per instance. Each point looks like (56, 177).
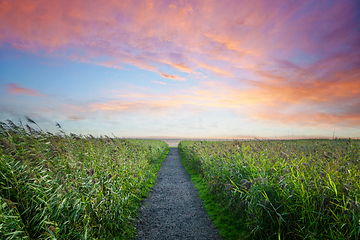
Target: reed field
(66, 186)
(279, 189)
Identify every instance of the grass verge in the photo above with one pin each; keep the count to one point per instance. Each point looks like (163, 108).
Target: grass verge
(223, 218)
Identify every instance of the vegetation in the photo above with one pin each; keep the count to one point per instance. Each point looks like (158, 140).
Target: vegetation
(298, 189)
(70, 186)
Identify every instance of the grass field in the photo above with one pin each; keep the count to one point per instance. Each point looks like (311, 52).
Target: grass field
(294, 189)
(66, 186)
(72, 187)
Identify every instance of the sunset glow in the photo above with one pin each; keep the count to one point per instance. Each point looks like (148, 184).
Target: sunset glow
(187, 69)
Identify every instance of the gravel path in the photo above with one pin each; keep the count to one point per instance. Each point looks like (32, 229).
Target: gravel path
(173, 209)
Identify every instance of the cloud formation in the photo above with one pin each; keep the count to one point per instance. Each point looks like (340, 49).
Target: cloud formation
(281, 61)
(159, 82)
(185, 35)
(172, 77)
(314, 103)
(13, 88)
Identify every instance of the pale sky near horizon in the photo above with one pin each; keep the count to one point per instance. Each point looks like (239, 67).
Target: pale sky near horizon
(183, 69)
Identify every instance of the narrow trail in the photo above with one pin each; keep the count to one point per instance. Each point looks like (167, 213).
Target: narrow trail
(173, 209)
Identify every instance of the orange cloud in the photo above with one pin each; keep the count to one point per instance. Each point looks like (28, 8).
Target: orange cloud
(17, 89)
(318, 104)
(109, 64)
(180, 67)
(213, 69)
(283, 54)
(172, 77)
(335, 102)
(338, 85)
(144, 33)
(312, 119)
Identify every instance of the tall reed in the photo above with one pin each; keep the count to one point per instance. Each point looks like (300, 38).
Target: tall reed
(69, 186)
(300, 189)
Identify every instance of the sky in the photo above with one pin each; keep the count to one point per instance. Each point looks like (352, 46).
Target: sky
(183, 69)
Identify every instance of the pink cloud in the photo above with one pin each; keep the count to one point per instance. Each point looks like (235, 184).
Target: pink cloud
(172, 77)
(159, 82)
(312, 118)
(144, 34)
(109, 64)
(17, 89)
(309, 103)
(283, 54)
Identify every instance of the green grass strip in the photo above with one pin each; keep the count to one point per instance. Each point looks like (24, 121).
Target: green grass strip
(229, 226)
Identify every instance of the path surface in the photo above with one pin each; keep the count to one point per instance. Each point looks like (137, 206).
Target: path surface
(173, 209)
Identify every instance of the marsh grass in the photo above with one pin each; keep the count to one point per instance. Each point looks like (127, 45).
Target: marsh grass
(72, 186)
(299, 189)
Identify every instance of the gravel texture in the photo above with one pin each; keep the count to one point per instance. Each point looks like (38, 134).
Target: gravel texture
(173, 209)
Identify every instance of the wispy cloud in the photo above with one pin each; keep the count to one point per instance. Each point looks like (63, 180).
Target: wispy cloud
(163, 83)
(312, 118)
(172, 77)
(275, 61)
(75, 117)
(109, 64)
(136, 34)
(312, 102)
(14, 88)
